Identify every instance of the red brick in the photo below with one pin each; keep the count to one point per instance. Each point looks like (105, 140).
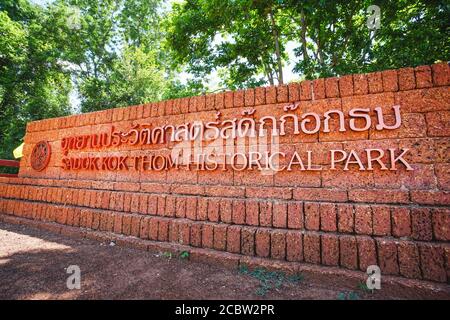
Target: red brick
(161, 209)
(228, 99)
(441, 74)
(363, 220)
(401, 222)
(327, 217)
(135, 226)
(421, 224)
(180, 207)
(95, 219)
(196, 235)
(432, 262)
(437, 123)
(249, 97)
(447, 260)
(213, 210)
(331, 87)
(279, 214)
(163, 230)
(441, 224)
(170, 206)
(126, 224)
(360, 84)
(134, 203)
(295, 215)
(346, 86)
(262, 242)
(220, 237)
(408, 259)
(219, 101)
(226, 207)
(207, 236)
(238, 98)
(305, 90)
(191, 208)
(260, 96)
(424, 100)
(430, 197)
(375, 81)
(145, 228)
(423, 77)
(387, 256)
(318, 86)
(268, 193)
(381, 220)
(265, 213)
(378, 196)
(278, 245)
(294, 246)
(442, 171)
(237, 211)
(348, 252)
(406, 79)
(248, 241)
(185, 232)
(345, 218)
(271, 95)
(153, 229)
(320, 194)
(330, 250)
(311, 248)
(312, 216)
(252, 213)
(234, 239)
(174, 232)
(367, 254)
(294, 91)
(152, 206)
(390, 80)
(210, 102)
(282, 94)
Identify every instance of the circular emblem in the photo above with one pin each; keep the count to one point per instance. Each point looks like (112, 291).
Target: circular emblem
(40, 156)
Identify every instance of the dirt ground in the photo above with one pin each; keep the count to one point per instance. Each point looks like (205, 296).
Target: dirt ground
(33, 266)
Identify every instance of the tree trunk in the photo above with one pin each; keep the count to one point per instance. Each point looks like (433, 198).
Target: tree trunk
(277, 47)
(303, 36)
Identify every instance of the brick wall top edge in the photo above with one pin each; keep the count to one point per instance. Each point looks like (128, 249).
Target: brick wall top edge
(402, 79)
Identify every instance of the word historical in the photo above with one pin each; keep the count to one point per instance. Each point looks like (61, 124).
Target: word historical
(266, 156)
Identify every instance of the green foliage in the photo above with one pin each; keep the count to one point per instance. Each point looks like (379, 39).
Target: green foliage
(236, 37)
(239, 39)
(348, 295)
(184, 255)
(33, 82)
(337, 40)
(270, 280)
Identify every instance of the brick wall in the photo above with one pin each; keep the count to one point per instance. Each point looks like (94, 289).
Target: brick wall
(399, 220)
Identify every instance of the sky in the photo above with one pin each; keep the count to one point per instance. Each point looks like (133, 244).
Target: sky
(212, 80)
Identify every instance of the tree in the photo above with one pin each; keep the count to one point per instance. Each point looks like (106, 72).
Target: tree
(242, 39)
(115, 52)
(246, 40)
(334, 38)
(33, 83)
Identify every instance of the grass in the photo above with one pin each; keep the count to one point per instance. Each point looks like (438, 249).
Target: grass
(184, 255)
(353, 295)
(270, 280)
